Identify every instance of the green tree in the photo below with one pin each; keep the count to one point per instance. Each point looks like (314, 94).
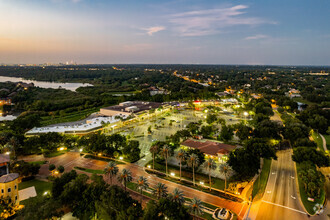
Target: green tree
(165, 209)
(211, 118)
(177, 196)
(193, 161)
(160, 190)
(60, 182)
(142, 184)
(154, 149)
(225, 169)
(60, 169)
(111, 170)
(165, 152)
(125, 176)
(196, 207)
(51, 167)
(115, 203)
(210, 165)
(181, 156)
(226, 133)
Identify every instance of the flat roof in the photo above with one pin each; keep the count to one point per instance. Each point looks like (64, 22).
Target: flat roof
(209, 147)
(141, 105)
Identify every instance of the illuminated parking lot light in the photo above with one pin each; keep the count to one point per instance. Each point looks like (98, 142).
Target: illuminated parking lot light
(172, 174)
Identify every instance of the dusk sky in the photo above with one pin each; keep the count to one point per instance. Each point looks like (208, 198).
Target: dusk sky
(284, 32)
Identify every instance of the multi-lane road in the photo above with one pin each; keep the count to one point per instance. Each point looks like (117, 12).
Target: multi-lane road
(281, 199)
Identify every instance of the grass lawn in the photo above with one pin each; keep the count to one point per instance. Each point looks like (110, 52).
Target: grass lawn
(327, 139)
(102, 159)
(187, 174)
(55, 154)
(300, 99)
(259, 185)
(38, 162)
(308, 205)
(74, 116)
(90, 170)
(40, 186)
(318, 140)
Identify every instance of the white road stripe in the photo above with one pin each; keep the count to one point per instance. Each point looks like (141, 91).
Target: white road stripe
(284, 207)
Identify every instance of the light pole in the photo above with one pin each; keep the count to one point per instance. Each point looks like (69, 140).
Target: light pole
(245, 115)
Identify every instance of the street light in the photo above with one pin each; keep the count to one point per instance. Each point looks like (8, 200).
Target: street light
(245, 115)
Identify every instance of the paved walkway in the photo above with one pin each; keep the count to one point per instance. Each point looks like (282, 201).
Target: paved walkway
(324, 143)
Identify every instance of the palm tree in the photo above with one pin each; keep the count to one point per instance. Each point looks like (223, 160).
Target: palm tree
(193, 161)
(166, 153)
(196, 207)
(210, 165)
(154, 150)
(13, 141)
(125, 177)
(160, 190)
(181, 156)
(225, 169)
(142, 184)
(111, 170)
(177, 196)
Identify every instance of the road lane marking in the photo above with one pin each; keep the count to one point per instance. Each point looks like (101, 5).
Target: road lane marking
(282, 206)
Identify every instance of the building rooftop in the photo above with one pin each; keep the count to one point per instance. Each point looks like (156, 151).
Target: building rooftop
(4, 158)
(140, 105)
(8, 177)
(209, 147)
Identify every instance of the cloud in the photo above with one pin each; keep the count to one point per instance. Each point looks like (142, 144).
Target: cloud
(212, 21)
(152, 30)
(256, 37)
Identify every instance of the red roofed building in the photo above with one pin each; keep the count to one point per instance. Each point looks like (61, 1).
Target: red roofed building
(209, 148)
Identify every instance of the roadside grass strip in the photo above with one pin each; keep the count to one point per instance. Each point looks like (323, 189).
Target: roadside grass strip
(260, 184)
(309, 206)
(90, 170)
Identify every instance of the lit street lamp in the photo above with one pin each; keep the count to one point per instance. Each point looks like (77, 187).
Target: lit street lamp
(245, 115)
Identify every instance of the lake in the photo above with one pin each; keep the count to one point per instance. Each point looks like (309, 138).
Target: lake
(47, 85)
